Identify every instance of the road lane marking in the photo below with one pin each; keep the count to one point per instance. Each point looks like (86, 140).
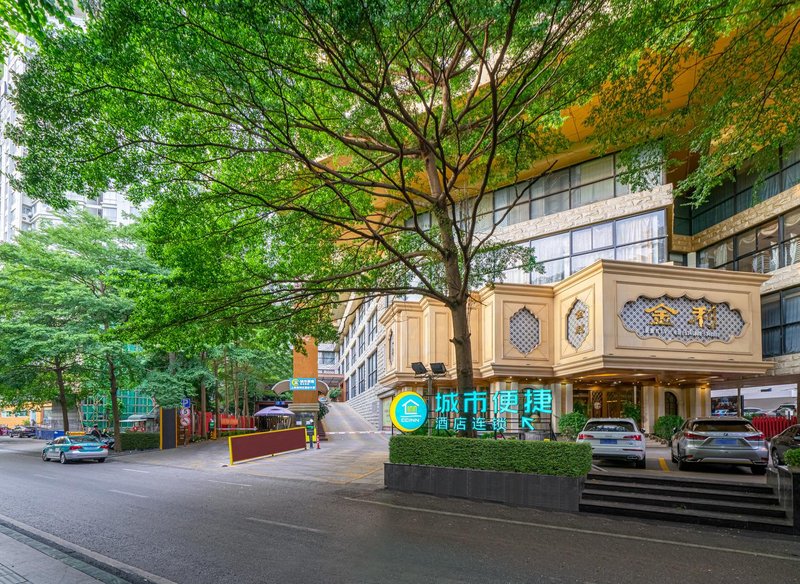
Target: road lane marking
(663, 464)
(579, 530)
(230, 483)
(289, 525)
(48, 477)
(136, 470)
(129, 494)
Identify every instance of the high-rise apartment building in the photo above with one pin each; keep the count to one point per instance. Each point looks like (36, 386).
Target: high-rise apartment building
(18, 212)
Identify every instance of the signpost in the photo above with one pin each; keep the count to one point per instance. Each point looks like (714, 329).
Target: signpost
(408, 411)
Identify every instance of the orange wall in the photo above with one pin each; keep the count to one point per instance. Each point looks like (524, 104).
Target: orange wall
(306, 366)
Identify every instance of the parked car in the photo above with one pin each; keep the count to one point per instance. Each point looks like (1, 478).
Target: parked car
(68, 448)
(753, 412)
(615, 438)
(714, 440)
(23, 432)
(783, 410)
(786, 440)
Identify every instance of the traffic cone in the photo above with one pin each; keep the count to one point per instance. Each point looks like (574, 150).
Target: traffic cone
(317, 441)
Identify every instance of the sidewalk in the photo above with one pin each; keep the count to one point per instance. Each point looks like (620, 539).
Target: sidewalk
(22, 564)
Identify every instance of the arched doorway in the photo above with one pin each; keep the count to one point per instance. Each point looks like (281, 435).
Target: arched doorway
(670, 404)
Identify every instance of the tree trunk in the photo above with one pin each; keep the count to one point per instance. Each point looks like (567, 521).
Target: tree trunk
(112, 378)
(246, 405)
(203, 423)
(235, 372)
(226, 368)
(62, 394)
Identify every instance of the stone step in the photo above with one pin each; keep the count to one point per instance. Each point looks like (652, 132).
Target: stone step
(760, 510)
(664, 480)
(715, 518)
(696, 491)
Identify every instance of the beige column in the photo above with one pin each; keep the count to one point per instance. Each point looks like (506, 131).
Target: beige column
(660, 409)
(566, 398)
(646, 401)
(555, 388)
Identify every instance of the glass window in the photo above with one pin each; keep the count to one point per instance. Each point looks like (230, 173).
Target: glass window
(593, 171)
(554, 271)
(717, 255)
(581, 261)
(771, 310)
(791, 306)
(592, 193)
(648, 252)
(746, 243)
(640, 228)
(551, 247)
(594, 237)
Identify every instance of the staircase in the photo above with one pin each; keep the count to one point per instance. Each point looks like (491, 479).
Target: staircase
(690, 500)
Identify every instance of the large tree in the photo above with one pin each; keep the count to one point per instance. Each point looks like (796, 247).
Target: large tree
(64, 300)
(353, 143)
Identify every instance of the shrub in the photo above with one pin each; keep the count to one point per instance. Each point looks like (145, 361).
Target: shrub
(665, 426)
(139, 440)
(570, 424)
(538, 457)
(792, 457)
(631, 410)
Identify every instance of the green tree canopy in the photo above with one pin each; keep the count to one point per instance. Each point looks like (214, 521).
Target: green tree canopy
(336, 147)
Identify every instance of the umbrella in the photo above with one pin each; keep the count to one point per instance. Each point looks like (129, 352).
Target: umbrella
(274, 411)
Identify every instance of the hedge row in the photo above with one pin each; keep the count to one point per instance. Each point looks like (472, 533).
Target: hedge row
(539, 457)
(139, 440)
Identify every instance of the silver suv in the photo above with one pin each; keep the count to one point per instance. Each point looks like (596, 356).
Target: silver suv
(720, 441)
(615, 438)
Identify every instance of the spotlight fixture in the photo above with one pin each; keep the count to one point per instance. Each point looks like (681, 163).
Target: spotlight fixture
(419, 368)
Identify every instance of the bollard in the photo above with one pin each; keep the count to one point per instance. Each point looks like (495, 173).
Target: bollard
(317, 441)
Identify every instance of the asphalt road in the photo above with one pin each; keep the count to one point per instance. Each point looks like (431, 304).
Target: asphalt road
(209, 523)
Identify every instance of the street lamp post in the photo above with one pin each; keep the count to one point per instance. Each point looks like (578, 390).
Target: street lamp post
(437, 370)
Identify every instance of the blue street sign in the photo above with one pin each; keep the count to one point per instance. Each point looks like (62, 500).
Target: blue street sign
(186, 402)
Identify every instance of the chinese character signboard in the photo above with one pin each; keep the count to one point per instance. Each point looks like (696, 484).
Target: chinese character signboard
(578, 323)
(303, 384)
(481, 410)
(681, 319)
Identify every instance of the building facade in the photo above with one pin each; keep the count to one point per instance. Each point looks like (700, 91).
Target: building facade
(737, 255)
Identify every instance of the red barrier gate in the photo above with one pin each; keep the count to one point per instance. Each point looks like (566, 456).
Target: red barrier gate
(773, 425)
(249, 446)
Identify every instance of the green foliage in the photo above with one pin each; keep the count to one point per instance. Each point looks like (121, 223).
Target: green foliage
(140, 440)
(29, 17)
(335, 393)
(323, 410)
(631, 410)
(539, 457)
(665, 426)
(423, 431)
(792, 457)
(570, 424)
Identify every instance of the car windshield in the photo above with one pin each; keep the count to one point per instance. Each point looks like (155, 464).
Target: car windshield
(723, 426)
(610, 426)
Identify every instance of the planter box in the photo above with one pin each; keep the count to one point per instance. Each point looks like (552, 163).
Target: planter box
(786, 482)
(511, 488)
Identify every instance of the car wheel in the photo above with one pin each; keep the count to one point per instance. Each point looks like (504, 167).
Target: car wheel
(672, 455)
(760, 469)
(44, 456)
(101, 460)
(682, 464)
(776, 460)
(641, 463)
(63, 458)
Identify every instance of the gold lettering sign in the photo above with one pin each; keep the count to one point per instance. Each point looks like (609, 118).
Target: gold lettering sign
(704, 317)
(661, 315)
